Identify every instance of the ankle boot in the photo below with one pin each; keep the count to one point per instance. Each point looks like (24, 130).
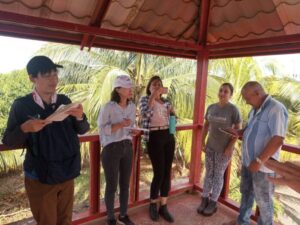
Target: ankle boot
(203, 205)
(163, 211)
(210, 209)
(153, 211)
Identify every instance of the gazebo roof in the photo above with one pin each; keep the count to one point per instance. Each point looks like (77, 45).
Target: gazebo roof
(169, 27)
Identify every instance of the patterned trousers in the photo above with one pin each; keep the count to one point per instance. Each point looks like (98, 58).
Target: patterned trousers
(215, 165)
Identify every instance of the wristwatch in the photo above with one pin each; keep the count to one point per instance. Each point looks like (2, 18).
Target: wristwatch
(258, 160)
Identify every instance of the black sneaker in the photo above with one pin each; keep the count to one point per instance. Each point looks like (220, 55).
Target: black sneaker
(153, 212)
(164, 212)
(111, 222)
(210, 209)
(203, 205)
(125, 220)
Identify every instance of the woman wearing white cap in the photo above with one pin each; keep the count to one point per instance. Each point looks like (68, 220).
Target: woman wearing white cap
(115, 119)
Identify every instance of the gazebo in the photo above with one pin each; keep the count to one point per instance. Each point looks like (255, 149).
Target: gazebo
(193, 29)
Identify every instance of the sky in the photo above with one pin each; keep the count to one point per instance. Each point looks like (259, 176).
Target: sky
(16, 52)
(288, 64)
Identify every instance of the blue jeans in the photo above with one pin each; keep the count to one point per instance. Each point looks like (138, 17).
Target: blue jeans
(256, 186)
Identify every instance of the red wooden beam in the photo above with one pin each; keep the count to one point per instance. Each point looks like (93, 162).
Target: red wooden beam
(39, 34)
(270, 41)
(67, 38)
(138, 168)
(226, 185)
(203, 23)
(89, 138)
(256, 51)
(136, 47)
(94, 196)
(199, 107)
(84, 29)
(291, 148)
(96, 20)
(84, 41)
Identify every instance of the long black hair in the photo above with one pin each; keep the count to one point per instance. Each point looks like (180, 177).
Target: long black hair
(149, 83)
(114, 96)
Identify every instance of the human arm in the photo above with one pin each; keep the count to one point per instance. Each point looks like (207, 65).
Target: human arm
(230, 147)
(79, 119)
(272, 146)
(146, 111)
(288, 174)
(204, 134)
(155, 95)
(277, 124)
(16, 132)
(236, 119)
(104, 122)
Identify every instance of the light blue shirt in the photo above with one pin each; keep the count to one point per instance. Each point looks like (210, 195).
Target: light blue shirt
(112, 113)
(270, 120)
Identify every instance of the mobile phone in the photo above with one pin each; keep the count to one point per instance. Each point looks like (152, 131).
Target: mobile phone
(228, 132)
(164, 90)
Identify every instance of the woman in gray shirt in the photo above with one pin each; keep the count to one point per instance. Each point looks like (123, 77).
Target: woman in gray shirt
(218, 148)
(115, 121)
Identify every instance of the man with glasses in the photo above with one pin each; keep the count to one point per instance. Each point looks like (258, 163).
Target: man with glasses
(262, 139)
(52, 159)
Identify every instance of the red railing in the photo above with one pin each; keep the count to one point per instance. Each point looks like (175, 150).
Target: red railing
(95, 211)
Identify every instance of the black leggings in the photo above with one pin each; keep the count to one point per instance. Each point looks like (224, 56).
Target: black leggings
(161, 147)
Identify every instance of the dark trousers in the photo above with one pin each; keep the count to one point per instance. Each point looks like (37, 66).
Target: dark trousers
(161, 148)
(50, 204)
(117, 163)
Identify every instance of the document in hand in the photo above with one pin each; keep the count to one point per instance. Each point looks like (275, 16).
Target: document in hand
(61, 112)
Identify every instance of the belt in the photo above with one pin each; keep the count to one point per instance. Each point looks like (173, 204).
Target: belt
(159, 128)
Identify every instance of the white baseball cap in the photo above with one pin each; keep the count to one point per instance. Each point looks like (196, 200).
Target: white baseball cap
(123, 81)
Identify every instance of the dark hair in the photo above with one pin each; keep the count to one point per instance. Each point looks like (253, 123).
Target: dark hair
(115, 97)
(149, 83)
(229, 85)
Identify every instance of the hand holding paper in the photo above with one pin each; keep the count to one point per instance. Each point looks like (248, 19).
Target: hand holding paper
(76, 112)
(63, 111)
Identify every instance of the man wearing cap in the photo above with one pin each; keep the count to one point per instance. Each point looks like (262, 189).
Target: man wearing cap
(52, 159)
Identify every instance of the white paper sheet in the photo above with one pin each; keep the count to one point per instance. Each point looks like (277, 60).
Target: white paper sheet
(61, 112)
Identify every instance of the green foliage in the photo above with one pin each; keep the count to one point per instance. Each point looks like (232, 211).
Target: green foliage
(88, 77)
(13, 85)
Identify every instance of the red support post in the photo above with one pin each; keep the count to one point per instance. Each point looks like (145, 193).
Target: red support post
(204, 20)
(199, 107)
(138, 168)
(94, 177)
(225, 190)
(133, 171)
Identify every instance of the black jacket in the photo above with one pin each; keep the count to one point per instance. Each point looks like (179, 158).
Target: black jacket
(53, 153)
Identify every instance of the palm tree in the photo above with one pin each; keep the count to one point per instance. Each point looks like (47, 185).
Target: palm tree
(89, 75)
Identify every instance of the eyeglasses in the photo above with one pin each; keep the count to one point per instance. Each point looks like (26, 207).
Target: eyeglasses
(50, 75)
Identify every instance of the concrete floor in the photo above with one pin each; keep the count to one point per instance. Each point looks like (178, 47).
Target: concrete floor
(183, 208)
